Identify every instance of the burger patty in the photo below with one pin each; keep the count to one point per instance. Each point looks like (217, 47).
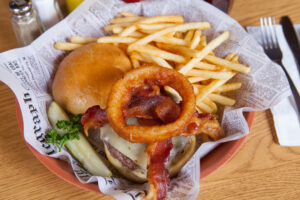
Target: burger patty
(127, 162)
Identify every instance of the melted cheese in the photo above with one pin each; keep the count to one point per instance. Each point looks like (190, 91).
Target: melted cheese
(136, 151)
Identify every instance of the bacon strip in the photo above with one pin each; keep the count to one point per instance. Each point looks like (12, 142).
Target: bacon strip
(204, 123)
(94, 118)
(149, 91)
(149, 122)
(204, 115)
(168, 111)
(158, 175)
(143, 106)
(158, 108)
(153, 107)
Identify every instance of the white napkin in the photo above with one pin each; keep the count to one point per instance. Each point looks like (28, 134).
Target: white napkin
(285, 116)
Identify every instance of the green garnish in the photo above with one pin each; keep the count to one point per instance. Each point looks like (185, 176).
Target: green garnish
(72, 132)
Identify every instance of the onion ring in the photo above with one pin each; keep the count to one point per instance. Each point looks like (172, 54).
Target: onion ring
(121, 93)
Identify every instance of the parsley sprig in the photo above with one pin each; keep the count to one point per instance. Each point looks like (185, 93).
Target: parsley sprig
(72, 132)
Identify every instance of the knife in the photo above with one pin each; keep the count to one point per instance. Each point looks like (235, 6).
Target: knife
(291, 38)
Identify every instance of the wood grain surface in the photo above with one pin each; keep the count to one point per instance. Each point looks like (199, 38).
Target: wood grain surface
(260, 170)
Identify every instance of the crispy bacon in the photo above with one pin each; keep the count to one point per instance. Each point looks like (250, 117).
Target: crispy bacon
(149, 122)
(168, 111)
(204, 123)
(143, 106)
(94, 118)
(149, 91)
(158, 175)
(153, 107)
(204, 115)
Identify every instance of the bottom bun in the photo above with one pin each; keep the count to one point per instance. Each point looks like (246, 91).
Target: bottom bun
(140, 175)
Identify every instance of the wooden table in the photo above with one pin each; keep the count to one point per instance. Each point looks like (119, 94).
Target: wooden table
(260, 170)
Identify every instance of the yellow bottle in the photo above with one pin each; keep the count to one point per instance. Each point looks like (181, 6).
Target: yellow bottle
(72, 4)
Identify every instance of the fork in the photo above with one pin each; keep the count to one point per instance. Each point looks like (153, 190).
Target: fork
(271, 48)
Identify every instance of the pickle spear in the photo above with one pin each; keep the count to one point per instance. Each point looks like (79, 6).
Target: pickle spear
(81, 149)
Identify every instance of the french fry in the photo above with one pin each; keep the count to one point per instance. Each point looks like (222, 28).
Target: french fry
(142, 57)
(136, 34)
(196, 90)
(82, 40)
(188, 37)
(235, 59)
(161, 62)
(134, 61)
(199, 86)
(162, 18)
(128, 14)
(171, 34)
(209, 74)
(117, 29)
(222, 99)
(128, 30)
(154, 26)
(196, 79)
(151, 20)
(181, 27)
(116, 39)
(229, 87)
(173, 93)
(203, 41)
(208, 48)
(109, 28)
(206, 66)
(210, 88)
(121, 20)
(199, 111)
(211, 104)
(178, 35)
(229, 56)
(180, 49)
(204, 107)
(66, 46)
(230, 65)
(151, 59)
(196, 39)
(148, 32)
(170, 40)
(154, 51)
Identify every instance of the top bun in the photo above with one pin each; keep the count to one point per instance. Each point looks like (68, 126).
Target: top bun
(84, 78)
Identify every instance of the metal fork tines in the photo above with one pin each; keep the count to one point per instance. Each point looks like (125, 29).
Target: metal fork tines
(272, 49)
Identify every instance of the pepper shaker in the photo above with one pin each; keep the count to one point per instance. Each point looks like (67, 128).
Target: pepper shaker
(25, 21)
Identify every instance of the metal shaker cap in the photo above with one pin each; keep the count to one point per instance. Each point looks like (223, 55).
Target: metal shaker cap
(20, 7)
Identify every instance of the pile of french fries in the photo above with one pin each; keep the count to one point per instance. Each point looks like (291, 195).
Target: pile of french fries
(170, 42)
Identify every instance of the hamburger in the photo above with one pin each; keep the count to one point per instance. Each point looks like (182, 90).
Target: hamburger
(84, 79)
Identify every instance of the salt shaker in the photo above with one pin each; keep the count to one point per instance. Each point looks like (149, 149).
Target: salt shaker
(49, 12)
(25, 21)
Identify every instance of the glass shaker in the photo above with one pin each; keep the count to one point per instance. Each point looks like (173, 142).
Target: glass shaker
(25, 21)
(49, 12)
